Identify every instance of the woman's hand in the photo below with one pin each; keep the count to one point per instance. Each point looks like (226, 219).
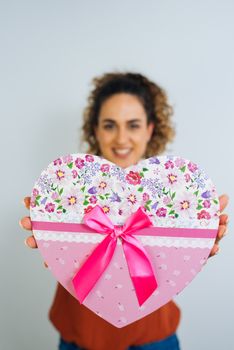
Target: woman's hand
(223, 222)
(25, 223)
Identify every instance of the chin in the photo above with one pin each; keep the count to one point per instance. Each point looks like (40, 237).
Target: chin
(124, 163)
(121, 162)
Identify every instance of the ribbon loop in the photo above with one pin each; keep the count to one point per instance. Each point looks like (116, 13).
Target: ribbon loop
(138, 261)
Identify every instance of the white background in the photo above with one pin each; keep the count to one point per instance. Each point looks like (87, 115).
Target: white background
(50, 51)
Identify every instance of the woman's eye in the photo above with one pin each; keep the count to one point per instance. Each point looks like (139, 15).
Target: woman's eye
(134, 126)
(108, 126)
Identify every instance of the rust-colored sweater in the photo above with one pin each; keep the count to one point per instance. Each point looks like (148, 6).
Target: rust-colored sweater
(78, 324)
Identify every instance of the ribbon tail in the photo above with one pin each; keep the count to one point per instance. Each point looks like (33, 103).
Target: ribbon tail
(93, 267)
(140, 268)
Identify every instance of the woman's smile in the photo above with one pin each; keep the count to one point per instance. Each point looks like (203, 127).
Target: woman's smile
(122, 152)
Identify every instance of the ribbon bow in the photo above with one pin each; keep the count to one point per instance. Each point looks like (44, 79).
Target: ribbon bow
(140, 268)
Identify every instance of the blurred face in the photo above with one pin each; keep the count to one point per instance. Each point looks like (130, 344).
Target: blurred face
(122, 132)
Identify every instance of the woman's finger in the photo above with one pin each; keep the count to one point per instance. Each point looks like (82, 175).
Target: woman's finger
(31, 242)
(26, 202)
(26, 223)
(214, 250)
(223, 219)
(221, 233)
(223, 201)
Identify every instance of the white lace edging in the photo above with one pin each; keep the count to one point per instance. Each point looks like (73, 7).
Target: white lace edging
(177, 242)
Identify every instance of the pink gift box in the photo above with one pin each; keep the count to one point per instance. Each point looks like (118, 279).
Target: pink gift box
(174, 194)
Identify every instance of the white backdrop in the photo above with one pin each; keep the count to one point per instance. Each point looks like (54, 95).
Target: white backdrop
(50, 51)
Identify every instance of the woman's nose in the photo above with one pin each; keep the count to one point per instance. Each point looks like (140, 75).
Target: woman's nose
(122, 135)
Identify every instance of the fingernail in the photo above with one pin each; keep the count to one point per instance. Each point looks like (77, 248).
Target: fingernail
(20, 223)
(25, 242)
(217, 251)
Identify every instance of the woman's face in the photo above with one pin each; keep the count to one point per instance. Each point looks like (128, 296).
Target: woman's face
(122, 132)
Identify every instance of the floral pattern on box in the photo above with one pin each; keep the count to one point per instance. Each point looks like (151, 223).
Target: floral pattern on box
(73, 180)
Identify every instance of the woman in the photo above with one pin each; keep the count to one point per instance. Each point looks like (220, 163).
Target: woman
(127, 118)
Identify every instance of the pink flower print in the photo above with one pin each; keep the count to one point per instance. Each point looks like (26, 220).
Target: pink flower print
(145, 197)
(72, 200)
(133, 178)
(132, 198)
(161, 212)
(166, 200)
(105, 168)
(60, 174)
(79, 162)
(55, 195)
(186, 204)
(192, 167)
(206, 203)
(179, 162)
(58, 161)
(131, 201)
(109, 208)
(102, 185)
(106, 208)
(169, 165)
(50, 207)
(74, 173)
(203, 215)
(187, 177)
(88, 209)
(67, 159)
(93, 199)
(89, 158)
(35, 192)
(172, 178)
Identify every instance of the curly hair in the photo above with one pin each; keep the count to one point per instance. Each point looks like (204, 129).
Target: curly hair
(152, 96)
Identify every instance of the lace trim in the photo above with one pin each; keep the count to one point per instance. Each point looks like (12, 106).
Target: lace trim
(151, 241)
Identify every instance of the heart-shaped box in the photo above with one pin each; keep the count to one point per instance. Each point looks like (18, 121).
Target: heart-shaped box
(150, 264)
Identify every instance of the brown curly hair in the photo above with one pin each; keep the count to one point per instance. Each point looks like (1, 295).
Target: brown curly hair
(152, 96)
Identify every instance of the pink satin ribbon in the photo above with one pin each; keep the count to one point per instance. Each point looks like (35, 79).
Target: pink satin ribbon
(140, 268)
